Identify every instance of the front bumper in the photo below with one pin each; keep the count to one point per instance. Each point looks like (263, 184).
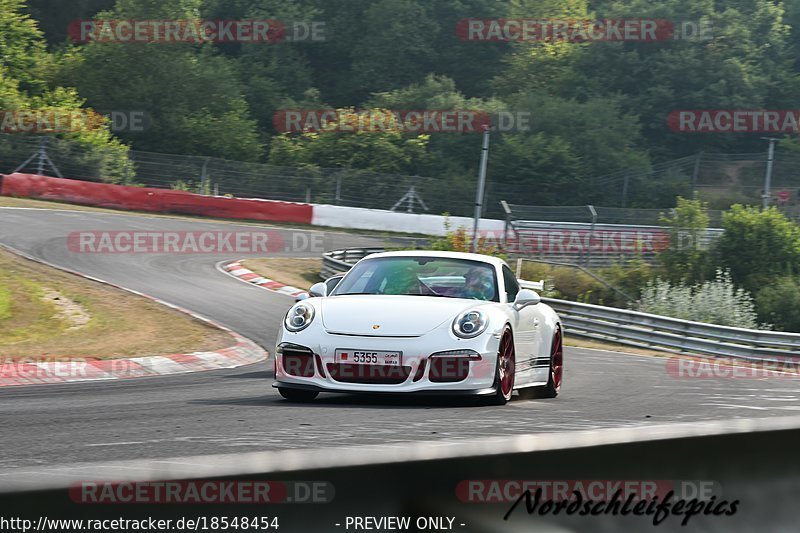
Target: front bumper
(418, 372)
(425, 392)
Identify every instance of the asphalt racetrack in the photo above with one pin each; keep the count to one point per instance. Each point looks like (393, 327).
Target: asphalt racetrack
(232, 411)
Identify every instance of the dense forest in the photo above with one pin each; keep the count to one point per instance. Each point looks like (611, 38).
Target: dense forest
(597, 108)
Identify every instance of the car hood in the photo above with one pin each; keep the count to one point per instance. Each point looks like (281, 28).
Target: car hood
(395, 316)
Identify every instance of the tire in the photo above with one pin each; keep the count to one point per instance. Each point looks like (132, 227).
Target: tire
(298, 395)
(505, 370)
(556, 374)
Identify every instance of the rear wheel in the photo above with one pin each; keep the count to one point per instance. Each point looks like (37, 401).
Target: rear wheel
(506, 362)
(298, 395)
(556, 373)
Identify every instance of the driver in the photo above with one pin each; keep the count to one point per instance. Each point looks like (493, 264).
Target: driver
(479, 284)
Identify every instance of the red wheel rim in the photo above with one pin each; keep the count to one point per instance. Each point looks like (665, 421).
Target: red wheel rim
(506, 364)
(557, 360)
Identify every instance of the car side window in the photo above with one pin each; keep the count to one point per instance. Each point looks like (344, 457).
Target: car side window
(510, 280)
(332, 283)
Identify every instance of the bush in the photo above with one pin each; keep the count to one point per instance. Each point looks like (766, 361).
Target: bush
(458, 240)
(629, 277)
(569, 283)
(685, 259)
(716, 301)
(779, 303)
(758, 246)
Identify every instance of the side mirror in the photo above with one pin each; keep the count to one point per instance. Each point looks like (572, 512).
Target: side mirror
(526, 297)
(318, 290)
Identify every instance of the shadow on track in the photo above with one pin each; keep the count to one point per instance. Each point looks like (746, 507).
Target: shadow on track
(369, 401)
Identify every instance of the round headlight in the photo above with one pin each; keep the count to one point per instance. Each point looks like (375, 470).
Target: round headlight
(299, 317)
(470, 324)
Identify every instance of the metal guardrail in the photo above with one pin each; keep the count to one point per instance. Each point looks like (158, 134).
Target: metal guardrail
(634, 328)
(672, 334)
(337, 261)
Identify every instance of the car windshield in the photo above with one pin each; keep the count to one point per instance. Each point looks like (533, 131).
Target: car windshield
(422, 276)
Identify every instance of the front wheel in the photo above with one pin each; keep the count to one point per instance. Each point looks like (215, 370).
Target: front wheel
(298, 395)
(506, 364)
(556, 373)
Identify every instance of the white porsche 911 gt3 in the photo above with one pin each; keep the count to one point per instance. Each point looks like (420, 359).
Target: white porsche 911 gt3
(421, 322)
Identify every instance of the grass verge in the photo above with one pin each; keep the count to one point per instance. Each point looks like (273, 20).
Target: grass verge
(49, 314)
(297, 272)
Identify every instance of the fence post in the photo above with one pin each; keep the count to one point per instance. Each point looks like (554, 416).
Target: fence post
(42, 152)
(588, 256)
(696, 171)
(768, 176)
(204, 189)
(625, 189)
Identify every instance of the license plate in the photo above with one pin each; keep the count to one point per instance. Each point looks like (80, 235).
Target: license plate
(368, 357)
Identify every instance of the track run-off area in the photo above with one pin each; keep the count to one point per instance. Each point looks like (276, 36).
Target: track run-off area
(231, 411)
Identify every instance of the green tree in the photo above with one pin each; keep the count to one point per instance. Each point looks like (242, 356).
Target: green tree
(570, 143)
(276, 75)
(395, 49)
(746, 65)
(24, 67)
(389, 151)
(193, 97)
(22, 49)
(452, 155)
(55, 17)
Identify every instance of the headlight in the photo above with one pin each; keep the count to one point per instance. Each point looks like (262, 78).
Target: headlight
(470, 324)
(299, 317)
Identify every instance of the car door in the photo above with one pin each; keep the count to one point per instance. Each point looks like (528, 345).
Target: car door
(527, 336)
